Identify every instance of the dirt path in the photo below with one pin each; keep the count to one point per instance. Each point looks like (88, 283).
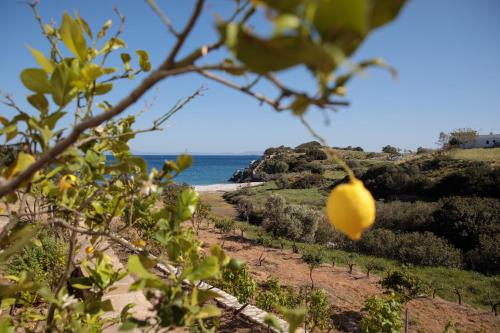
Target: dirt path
(347, 292)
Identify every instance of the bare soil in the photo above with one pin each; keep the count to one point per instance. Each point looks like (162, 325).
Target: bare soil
(347, 291)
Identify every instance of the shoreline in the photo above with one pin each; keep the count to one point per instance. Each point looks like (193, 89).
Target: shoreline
(224, 187)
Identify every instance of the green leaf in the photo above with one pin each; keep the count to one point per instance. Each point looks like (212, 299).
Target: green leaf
(52, 119)
(144, 60)
(124, 313)
(280, 52)
(40, 58)
(300, 105)
(273, 322)
(294, 317)
(10, 131)
(384, 11)
(126, 61)
(61, 82)
(112, 44)
(15, 241)
(72, 37)
(184, 161)
(91, 72)
(103, 88)
(81, 283)
(104, 29)
(22, 162)
(97, 207)
(92, 158)
(206, 269)
(83, 24)
(344, 23)
(135, 266)
(186, 205)
(208, 311)
(39, 102)
(36, 80)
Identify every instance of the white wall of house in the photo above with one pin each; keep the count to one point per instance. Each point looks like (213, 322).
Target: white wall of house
(483, 141)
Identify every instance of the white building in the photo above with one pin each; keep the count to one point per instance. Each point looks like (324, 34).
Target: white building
(483, 141)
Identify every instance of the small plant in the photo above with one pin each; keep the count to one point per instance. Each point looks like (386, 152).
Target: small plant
(272, 296)
(382, 314)
(351, 262)
(243, 228)
(318, 310)
(238, 282)
(458, 292)
(405, 284)
(295, 248)
(224, 224)
(314, 260)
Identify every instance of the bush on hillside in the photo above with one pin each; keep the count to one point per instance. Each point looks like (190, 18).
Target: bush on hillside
(273, 166)
(482, 181)
(405, 216)
(405, 284)
(390, 180)
(308, 180)
(486, 256)
(316, 154)
(463, 220)
(427, 249)
(304, 147)
(290, 221)
(414, 248)
(302, 165)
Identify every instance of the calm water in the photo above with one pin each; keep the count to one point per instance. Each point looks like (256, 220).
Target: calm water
(206, 169)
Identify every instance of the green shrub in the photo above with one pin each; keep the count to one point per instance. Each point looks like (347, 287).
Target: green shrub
(272, 295)
(318, 310)
(382, 314)
(482, 181)
(391, 150)
(316, 155)
(462, 220)
(390, 180)
(290, 221)
(224, 224)
(237, 282)
(486, 256)
(405, 284)
(405, 216)
(427, 249)
(415, 248)
(273, 166)
(308, 180)
(44, 262)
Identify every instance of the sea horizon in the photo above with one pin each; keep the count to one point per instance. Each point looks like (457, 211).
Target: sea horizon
(206, 169)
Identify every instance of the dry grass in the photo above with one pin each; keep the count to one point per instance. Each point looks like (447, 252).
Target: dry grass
(476, 154)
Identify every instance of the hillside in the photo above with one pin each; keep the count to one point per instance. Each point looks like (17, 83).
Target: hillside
(438, 213)
(346, 292)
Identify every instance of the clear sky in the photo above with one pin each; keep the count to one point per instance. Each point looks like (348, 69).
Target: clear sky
(447, 53)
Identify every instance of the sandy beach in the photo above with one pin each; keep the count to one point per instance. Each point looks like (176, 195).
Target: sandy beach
(224, 187)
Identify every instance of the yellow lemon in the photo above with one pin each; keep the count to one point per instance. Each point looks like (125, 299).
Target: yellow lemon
(351, 208)
(89, 249)
(140, 243)
(67, 181)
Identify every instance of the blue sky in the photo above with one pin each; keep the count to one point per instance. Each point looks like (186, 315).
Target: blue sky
(446, 52)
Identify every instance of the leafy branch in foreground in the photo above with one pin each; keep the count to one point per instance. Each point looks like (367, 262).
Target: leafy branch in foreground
(84, 180)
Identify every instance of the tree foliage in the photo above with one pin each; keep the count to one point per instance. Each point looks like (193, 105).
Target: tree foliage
(77, 188)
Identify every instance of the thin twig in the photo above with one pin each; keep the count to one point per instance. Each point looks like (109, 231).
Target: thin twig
(163, 17)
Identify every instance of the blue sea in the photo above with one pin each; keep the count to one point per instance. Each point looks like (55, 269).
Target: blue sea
(206, 169)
